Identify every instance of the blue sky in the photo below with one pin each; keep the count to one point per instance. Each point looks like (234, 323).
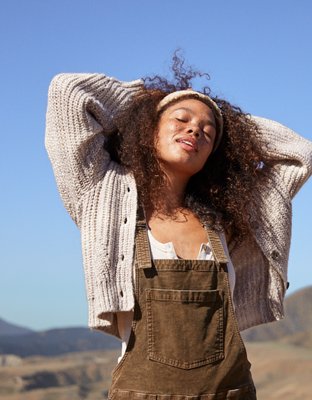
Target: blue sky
(257, 53)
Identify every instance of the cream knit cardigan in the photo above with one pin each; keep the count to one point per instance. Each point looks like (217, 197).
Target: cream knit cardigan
(101, 198)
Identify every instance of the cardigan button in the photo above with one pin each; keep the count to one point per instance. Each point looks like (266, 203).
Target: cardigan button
(121, 293)
(275, 255)
(125, 220)
(128, 189)
(122, 257)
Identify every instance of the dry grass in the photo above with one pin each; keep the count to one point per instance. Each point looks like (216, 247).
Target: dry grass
(281, 372)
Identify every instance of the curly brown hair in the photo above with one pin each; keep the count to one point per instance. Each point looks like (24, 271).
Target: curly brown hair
(220, 192)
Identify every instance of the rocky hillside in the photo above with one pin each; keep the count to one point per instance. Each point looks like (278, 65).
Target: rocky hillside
(296, 328)
(71, 376)
(281, 372)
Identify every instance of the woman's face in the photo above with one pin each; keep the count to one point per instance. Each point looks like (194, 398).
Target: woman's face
(185, 137)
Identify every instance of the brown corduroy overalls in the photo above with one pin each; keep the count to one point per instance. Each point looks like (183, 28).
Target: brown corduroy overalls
(184, 342)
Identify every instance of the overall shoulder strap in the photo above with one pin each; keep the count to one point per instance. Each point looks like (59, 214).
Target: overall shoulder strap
(142, 247)
(216, 246)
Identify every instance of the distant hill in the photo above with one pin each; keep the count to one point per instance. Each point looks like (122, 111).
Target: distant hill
(56, 341)
(296, 328)
(6, 328)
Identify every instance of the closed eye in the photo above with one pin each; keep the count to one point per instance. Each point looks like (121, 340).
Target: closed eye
(181, 119)
(209, 131)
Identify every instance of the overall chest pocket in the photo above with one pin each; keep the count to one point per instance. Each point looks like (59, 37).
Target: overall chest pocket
(185, 327)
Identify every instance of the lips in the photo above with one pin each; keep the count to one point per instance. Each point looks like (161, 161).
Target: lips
(189, 143)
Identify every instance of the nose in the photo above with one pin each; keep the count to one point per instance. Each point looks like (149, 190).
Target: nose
(194, 130)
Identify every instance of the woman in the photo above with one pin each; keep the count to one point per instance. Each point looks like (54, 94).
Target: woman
(159, 179)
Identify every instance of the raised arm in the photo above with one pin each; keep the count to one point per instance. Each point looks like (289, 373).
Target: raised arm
(81, 110)
(291, 153)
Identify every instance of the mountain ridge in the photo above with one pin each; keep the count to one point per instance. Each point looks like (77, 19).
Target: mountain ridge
(295, 329)
(8, 328)
(57, 341)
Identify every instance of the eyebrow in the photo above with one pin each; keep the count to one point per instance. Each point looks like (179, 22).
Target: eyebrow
(209, 122)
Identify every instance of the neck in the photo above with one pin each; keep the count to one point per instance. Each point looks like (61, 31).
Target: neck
(173, 201)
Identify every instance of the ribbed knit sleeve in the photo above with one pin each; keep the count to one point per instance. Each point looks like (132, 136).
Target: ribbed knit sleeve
(291, 153)
(261, 261)
(82, 109)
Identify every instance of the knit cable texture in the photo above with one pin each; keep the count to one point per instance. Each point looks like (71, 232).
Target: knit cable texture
(101, 198)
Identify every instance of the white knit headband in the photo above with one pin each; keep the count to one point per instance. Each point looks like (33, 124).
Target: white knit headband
(178, 95)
